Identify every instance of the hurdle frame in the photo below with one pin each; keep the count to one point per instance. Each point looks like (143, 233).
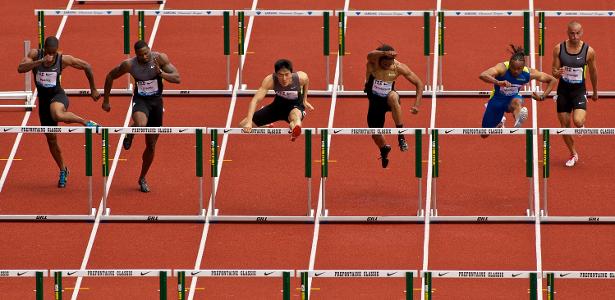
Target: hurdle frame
(594, 275)
(215, 215)
(530, 215)
(27, 94)
(38, 274)
(106, 210)
(544, 212)
(473, 274)
(325, 217)
(87, 132)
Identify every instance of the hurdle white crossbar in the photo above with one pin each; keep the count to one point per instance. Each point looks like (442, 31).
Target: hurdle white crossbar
(155, 218)
(327, 217)
(215, 216)
(579, 131)
(581, 274)
(233, 273)
(435, 217)
(478, 274)
(483, 13)
(84, 12)
(357, 273)
(112, 272)
(577, 13)
(42, 217)
(22, 273)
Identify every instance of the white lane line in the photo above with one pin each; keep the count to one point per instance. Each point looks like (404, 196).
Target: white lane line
(336, 79)
(432, 124)
(229, 120)
(88, 249)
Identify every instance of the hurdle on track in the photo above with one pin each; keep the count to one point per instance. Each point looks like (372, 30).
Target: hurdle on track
(25, 95)
(196, 131)
(551, 275)
(546, 138)
(284, 274)
(324, 172)
(463, 274)
(38, 274)
(126, 13)
(477, 13)
(381, 14)
(409, 275)
(529, 144)
(195, 13)
(87, 132)
(117, 273)
(215, 216)
(325, 14)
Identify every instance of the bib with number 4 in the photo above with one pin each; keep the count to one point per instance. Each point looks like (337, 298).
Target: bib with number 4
(147, 87)
(47, 79)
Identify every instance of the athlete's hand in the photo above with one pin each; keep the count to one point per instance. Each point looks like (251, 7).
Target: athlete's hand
(106, 106)
(248, 127)
(414, 110)
(48, 58)
(595, 96)
(503, 83)
(157, 66)
(538, 97)
(558, 72)
(95, 95)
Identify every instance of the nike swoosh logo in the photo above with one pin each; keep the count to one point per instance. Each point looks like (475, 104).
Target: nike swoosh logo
(226, 130)
(268, 273)
(560, 131)
(117, 130)
(6, 129)
(194, 273)
(564, 275)
(448, 131)
(21, 273)
(402, 131)
(391, 274)
(71, 130)
(442, 274)
(144, 273)
(337, 131)
(71, 273)
(318, 274)
(516, 275)
(513, 131)
(182, 130)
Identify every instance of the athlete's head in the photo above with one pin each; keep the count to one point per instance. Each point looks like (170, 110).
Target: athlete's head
(283, 71)
(142, 51)
(575, 32)
(386, 61)
(517, 60)
(51, 45)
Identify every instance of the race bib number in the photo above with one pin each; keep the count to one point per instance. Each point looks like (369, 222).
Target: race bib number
(47, 79)
(382, 88)
(573, 75)
(510, 90)
(147, 87)
(290, 95)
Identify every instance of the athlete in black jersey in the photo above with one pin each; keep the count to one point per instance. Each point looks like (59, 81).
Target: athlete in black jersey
(148, 69)
(572, 59)
(47, 65)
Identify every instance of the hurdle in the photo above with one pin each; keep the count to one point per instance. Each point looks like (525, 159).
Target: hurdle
(38, 274)
(546, 138)
(476, 13)
(195, 13)
(126, 13)
(25, 95)
(529, 158)
(196, 131)
(325, 14)
(551, 275)
(542, 30)
(305, 275)
(215, 215)
(117, 273)
(386, 14)
(284, 274)
(463, 274)
(324, 172)
(87, 132)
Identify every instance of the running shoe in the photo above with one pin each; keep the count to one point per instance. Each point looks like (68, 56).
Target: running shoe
(522, 117)
(127, 141)
(384, 155)
(403, 145)
(63, 178)
(295, 133)
(573, 160)
(143, 185)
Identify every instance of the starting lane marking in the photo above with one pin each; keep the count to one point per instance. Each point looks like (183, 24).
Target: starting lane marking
(6, 159)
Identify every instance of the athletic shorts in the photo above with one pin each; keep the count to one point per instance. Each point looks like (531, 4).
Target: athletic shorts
(278, 110)
(496, 107)
(569, 99)
(378, 107)
(152, 107)
(44, 107)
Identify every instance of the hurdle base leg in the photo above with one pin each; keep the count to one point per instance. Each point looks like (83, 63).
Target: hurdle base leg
(434, 212)
(420, 213)
(325, 213)
(243, 87)
(230, 87)
(93, 212)
(543, 213)
(215, 212)
(310, 213)
(329, 87)
(203, 212)
(107, 212)
(340, 87)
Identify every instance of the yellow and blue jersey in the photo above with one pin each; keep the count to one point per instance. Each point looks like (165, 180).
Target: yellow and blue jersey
(516, 83)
